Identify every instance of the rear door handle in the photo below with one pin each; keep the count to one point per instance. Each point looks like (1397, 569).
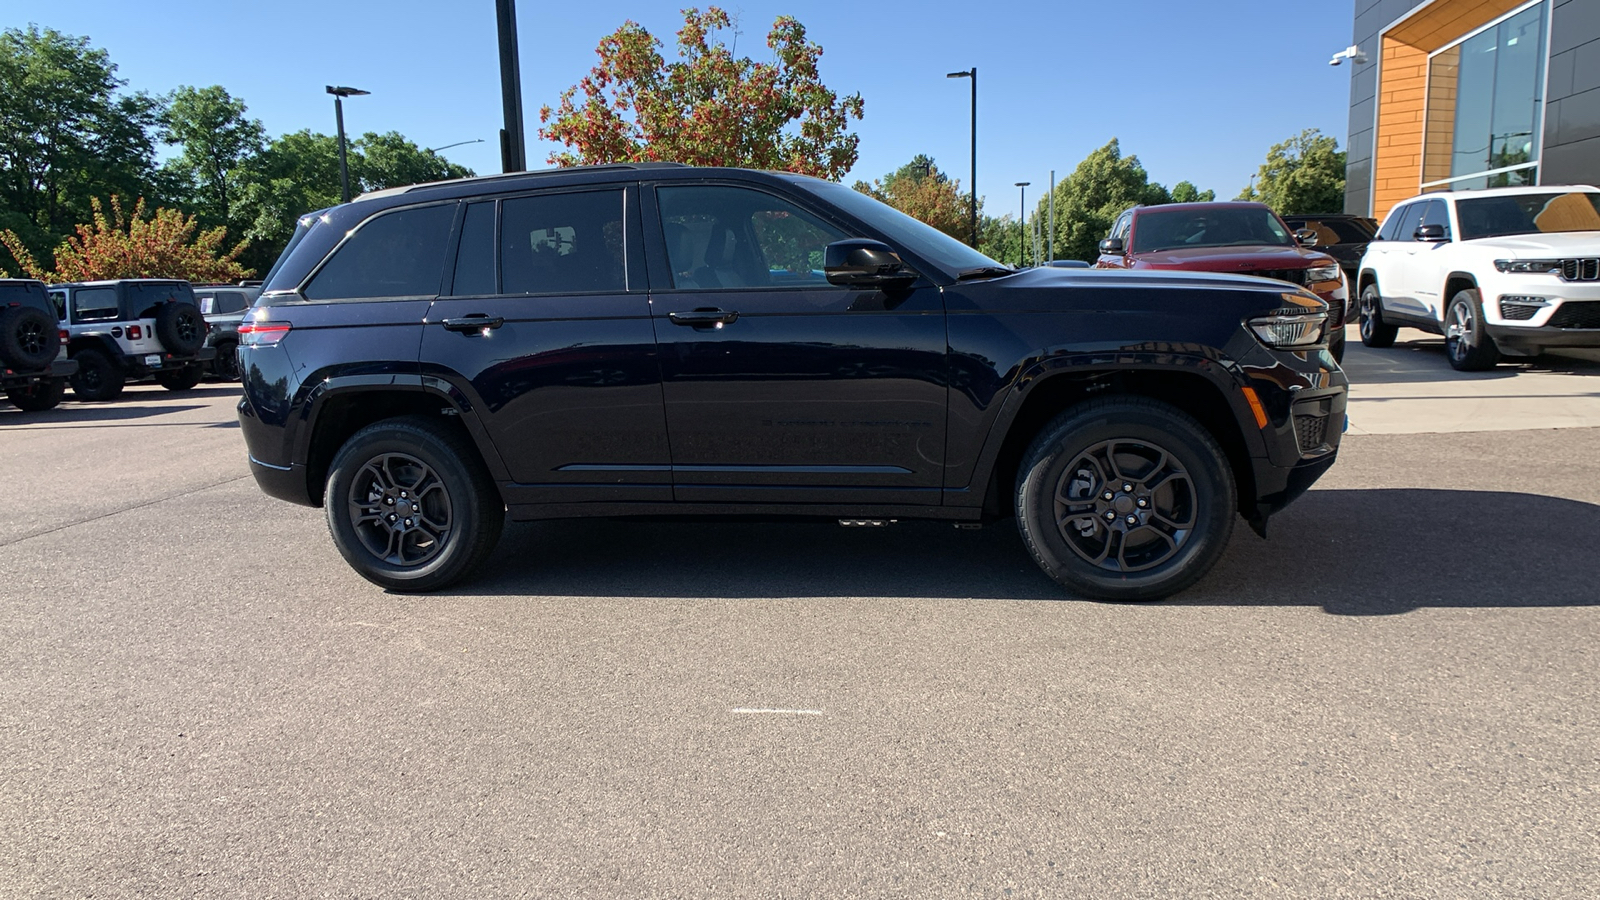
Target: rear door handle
(704, 318)
(474, 322)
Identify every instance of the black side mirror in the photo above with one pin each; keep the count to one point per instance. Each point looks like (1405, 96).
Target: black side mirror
(865, 263)
(1432, 234)
(1111, 246)
(1305, 237)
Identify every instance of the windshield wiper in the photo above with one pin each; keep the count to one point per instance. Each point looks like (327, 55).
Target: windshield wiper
(984, 272)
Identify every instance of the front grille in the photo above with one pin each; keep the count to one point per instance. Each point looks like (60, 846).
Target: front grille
(1580, 270)
(1335, 315)
(1577, 315)
(1311, 432)
(1293, 276)
(1517, 311)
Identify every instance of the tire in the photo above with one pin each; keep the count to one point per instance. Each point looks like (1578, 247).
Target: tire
(97, 378)
(180, 379)
(29, 337)
(1178, 477)
(1374, 331)
(39, 396)
(1336, 346)
(226, 365)
(380, 468)
(181, 328)
(1467, 343)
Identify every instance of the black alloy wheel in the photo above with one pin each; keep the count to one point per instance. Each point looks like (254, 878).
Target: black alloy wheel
(29, 337)
(97, 377)
(1374, 331)
(410, 505)
(180, 328)
(1126, 499)
(1467, 344)
(39, 396)
(226, 365)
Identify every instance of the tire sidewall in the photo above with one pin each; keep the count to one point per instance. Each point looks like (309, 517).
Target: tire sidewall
(465, 505)
(1367, 312)
(167, 320)
(12, 350)
(95, 367)
(39, 396)
(1171, 431)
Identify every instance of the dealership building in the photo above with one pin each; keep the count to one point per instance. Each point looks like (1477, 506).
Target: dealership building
(1462, 94)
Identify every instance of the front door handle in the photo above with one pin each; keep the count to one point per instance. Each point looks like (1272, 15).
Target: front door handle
(478, 322)
(704, 318)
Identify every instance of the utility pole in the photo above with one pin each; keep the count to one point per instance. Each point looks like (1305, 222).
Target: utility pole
(513, 138)
(1051, 240)
(339, 93)
(1022, 223)
(973, 187)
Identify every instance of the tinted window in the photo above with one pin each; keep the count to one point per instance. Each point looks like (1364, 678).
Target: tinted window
(475, 258)
(901, 231)
(89, 304)
(1528, 214)
(562, 244)
(1216, 226)
(59, 298)
(1334, 231)
(230, 302)
(730, 237)
(1434, 212)
(1120, 230)
(398, 254)
(144, 298)
(1406, 223)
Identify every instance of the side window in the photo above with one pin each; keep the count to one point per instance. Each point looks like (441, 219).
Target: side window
(1406, 221)
(731, 237)
(562, 244)
(397, 254)
(475, 258)
(59, 298)
(1434, 212)
(1120, 230)
(92, 304)
(1391, 225)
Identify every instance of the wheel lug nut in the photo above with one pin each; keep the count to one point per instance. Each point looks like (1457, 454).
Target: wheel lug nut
(1108, 495)
(1133, 520)
(391, 517)
(1143, 503)
(408, 522)
(1126, 489)
(1110, 516)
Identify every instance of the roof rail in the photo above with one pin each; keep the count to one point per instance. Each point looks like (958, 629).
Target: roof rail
(534, 173)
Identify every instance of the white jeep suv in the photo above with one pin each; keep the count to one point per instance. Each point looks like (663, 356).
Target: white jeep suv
(1498, 272)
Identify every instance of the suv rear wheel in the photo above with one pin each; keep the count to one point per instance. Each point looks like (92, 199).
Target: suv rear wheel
(39, 396)
(179, 379)
(1374, 332)
(410, 505)
(1467, 343)
(1125, 499)
(97, 377)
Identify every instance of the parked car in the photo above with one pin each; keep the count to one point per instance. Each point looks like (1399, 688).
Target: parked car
(1341, 236)
(124, 330)
(1237, 238)
(1499, 272)
(33, 356)
(424, 360)
(224, 306)
(1068, 264)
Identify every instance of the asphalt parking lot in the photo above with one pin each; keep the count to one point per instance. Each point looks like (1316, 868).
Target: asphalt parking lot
(1393, 696)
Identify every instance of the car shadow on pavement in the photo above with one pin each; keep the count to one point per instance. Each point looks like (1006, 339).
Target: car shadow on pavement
(1423, 360)
(1351, 552)
(10, 416)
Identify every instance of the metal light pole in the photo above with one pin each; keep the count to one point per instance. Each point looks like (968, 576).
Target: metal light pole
(973, 187)
(1022, 219)
(339, 93)
(513, 139)
(456, 144)
(1051, 240)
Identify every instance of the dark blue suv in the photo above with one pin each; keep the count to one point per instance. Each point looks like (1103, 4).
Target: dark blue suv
(639, 340)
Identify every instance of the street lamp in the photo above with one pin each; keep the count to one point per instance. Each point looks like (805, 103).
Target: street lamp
(973, 74)
(1022, 218)
(339, 93)
(456, 144)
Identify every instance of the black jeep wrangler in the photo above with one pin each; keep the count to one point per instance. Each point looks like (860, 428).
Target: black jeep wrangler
(649, 340)
(132, 328)
(33, 363)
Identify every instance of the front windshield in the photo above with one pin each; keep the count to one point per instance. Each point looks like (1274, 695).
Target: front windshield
(1212, 226)
(1482, 217)
(904, 232)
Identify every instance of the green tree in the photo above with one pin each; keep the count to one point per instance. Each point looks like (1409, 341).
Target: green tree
(1185, 192)
(921, 191)
(708, 108)
(67, 135)
(220, 150)
(1302, 175)
(390, 160)
(1089, 200)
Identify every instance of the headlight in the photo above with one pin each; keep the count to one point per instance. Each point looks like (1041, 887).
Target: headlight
(1322, 273)
(1533, 266)
(1290, 330)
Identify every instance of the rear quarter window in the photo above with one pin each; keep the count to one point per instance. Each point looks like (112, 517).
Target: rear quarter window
(143, 299)
(393, 254)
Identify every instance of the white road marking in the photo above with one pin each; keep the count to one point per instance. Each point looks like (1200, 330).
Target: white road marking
(780, 712)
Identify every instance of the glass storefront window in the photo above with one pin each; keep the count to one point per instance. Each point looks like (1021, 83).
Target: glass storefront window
(1485, 105)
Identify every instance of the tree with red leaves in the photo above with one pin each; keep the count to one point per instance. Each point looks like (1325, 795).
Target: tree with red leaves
(133, 246)
(708, 108)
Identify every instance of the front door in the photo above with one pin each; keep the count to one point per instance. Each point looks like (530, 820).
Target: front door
(780, 387)
(546, 331)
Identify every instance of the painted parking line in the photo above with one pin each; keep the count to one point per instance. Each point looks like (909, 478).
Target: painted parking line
(777, 712)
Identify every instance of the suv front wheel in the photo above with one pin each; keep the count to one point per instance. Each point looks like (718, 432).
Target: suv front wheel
(1125, 499)
(410, 505)
(1467, 343)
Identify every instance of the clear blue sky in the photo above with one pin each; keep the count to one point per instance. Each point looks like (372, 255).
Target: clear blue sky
(1198, 89)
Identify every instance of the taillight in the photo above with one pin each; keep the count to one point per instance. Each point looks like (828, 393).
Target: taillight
(262, 334)
(134, 332)
(65, 337)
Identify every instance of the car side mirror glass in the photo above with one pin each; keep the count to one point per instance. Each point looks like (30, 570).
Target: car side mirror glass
(1305, 237)
(865, 263)
(1111, 246)
(1432, 234)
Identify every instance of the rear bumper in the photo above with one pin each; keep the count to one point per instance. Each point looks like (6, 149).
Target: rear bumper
(59, 368)
(141, 363)
(283, 482)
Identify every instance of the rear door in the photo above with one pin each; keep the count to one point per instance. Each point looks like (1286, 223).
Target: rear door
(545, 329)
(781, 387)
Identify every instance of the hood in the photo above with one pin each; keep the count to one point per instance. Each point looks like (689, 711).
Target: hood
(1045, 280)
(1233, 259)
(1538, 246)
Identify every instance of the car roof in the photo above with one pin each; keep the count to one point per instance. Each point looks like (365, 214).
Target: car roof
(109, 282)
(568, 175)
(1209, 204)
(1514, 191)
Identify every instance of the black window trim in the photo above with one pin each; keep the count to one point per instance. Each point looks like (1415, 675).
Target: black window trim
(300, 289)
(628, 212)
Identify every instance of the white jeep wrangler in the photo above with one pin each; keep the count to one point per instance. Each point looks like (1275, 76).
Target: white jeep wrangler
(1499, 272)
(132, 328)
